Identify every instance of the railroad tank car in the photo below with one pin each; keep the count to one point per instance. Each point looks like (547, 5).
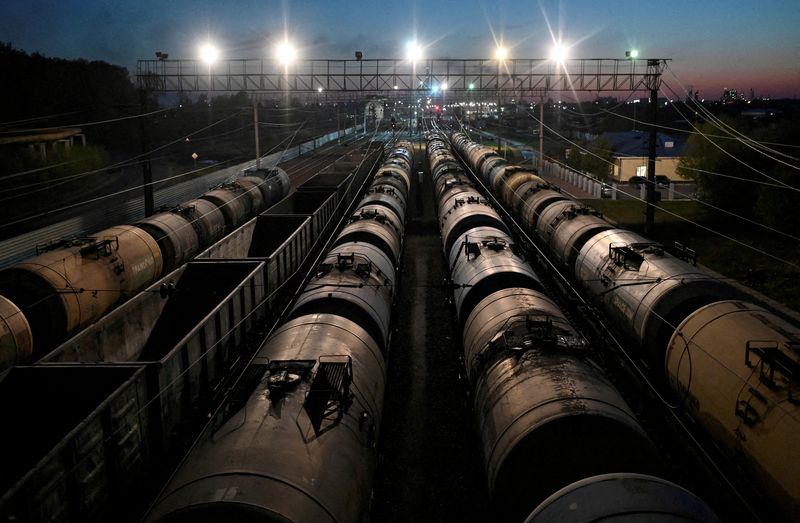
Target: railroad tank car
(206, 218)
(482, 261)
(479, 154)
(252, 185)
(519, 200)
(76, 281)
(176, 236)
(547, 416)
(736, 368)
(273, 458)
(378, 227)
(234, 201)
(623, 497)
(490, 166)
(464, 210)
(691, 327)
(354, 281)
(394, 176)
(301, 446)
(566, 226)
(73, 284)
(510, 178)
(645, 291)
(387, 197)
(451, 184)
(274, 183)
(16, 338)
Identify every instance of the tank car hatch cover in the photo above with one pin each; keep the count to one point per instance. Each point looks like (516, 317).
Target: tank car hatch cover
(631, 256)
(529, 331)
(284, 375)
(349, 261)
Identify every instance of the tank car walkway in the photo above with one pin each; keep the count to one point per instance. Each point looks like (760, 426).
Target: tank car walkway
(429, 467)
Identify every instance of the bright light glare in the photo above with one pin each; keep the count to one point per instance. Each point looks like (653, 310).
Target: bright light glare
(634, 53)
(444, 86)
(559, 53)
(209, 53)
(413, 51)
(285, 53)
(501, 53)
(319, 89)
(435, 88)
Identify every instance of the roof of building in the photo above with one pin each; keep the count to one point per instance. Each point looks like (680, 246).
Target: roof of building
(38, 135)
(635, 143)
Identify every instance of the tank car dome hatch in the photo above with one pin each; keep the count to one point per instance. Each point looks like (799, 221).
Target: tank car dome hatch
(489, 327)
(623, 497)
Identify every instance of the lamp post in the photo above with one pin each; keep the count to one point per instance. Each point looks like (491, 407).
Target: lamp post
(209, 54)
(633, 54)
(500, 55)
(558, 54)
(413, 55)
(285, 53)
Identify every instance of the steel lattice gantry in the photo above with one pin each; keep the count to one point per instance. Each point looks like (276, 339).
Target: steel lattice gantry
(381, 76)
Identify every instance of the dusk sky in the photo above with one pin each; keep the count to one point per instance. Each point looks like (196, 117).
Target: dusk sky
(713, 44)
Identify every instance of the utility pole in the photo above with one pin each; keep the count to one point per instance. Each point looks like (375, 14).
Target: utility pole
(654, 79)
(147, 173)
(541, 134)
(255, 130)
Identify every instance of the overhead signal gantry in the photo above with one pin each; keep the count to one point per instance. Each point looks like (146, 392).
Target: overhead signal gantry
(520, 77)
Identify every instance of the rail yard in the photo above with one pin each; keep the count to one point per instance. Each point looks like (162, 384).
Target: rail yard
(398, 327)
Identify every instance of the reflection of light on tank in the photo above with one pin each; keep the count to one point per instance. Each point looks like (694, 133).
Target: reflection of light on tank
(299, 445)
(73, 283)
(537, 392)
(734, 364)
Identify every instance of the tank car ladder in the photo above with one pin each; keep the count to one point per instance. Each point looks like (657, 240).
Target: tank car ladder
(329, 394)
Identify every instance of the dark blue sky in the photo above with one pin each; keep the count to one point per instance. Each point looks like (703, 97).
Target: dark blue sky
(714, 44)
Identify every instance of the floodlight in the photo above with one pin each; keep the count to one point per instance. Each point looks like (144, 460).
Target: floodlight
(413, 51)
(559, 53)
(285, 53)
(209, 53)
